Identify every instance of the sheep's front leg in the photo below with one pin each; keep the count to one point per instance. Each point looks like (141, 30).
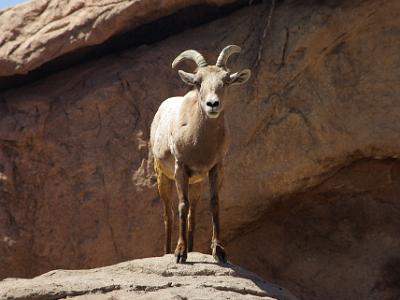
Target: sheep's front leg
(182, 187)
(215, 178)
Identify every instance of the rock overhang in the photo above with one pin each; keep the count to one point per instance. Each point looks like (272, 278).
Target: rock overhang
(44, 36)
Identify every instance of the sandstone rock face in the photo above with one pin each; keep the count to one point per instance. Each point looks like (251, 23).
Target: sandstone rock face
(41, 30)
(341, 232)
(150, 278)
(311, 192)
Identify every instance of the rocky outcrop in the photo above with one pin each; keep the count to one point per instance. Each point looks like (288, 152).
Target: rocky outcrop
(310, 197)
(150, 278)
(40, 31)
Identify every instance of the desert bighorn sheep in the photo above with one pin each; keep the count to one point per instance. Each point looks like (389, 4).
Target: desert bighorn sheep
(189, 138)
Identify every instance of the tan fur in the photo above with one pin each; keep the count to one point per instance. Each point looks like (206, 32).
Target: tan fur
(189, 141)
(189, 136)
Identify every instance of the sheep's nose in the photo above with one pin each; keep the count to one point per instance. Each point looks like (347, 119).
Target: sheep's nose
(213, 104)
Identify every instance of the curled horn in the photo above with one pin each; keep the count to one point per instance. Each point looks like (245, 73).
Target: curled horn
(190, 54)
(225, 53)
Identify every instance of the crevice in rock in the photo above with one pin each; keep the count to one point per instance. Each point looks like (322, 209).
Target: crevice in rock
(284, 49)
(146, 34)
(232, 289)
(266, 28)
(67, 294)
(106, 206)
(202, 272)
(147, 288)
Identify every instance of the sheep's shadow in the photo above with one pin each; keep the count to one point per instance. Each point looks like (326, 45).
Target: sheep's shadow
(268, 289)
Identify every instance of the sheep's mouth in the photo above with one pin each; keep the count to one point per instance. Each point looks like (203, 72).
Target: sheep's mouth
(213, 114)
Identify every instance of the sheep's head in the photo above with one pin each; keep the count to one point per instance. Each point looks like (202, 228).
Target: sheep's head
(211, 81)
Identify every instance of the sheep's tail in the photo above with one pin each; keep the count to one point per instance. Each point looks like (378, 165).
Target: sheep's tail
(152, 165)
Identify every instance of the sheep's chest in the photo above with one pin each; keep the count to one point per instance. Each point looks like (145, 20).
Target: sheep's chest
(200, 150)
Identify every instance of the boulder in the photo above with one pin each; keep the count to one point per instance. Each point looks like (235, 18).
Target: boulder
(149, 278)
(39, 31)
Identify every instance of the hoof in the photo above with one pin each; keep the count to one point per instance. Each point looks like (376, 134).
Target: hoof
(219, 253)
(180, 254)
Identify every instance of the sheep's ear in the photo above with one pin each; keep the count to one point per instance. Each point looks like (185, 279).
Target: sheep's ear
(187, 78)
(240, 77)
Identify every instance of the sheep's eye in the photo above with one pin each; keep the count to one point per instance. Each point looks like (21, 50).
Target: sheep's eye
(197, 83)
(226, 79)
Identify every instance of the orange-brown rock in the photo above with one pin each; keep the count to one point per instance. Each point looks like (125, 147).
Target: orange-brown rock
(39, 31)
(311, 192)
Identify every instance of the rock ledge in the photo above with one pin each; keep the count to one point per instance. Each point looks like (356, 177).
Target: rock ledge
(149, 278)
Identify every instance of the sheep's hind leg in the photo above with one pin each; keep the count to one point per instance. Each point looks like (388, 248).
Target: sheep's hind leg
(182, 187)
(194, 196)
(165, 191)
(215, 179)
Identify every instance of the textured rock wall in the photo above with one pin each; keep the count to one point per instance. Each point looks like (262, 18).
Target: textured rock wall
(310, 197)
(338, 240)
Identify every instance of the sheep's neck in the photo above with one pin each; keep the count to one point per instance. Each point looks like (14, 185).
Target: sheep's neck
(203, 140)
